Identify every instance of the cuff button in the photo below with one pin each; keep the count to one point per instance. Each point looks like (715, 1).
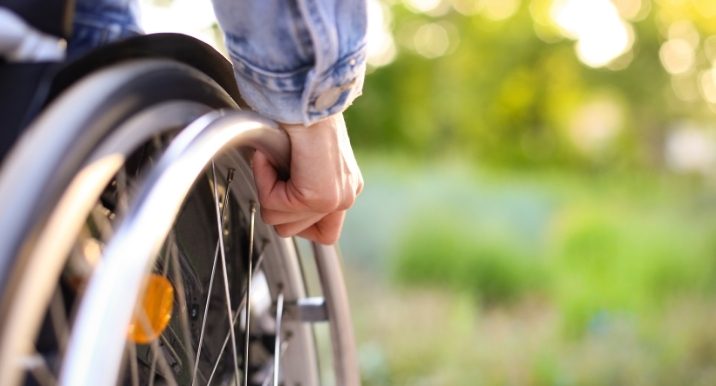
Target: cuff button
(328, 98)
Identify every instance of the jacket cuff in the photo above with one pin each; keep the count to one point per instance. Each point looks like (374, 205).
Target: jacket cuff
(301, 96)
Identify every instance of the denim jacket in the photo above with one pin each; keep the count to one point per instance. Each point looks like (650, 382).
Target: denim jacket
(295, 61)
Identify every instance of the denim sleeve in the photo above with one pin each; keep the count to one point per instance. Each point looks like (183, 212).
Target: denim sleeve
(98, 22)
(296, 61)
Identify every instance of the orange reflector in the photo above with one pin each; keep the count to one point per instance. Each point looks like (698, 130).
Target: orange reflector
(157, 303)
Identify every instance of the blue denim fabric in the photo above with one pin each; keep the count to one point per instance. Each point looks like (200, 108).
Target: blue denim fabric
(296, 61)
(100, 22)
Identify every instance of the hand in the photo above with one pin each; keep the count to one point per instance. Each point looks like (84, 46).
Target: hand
(324, 182)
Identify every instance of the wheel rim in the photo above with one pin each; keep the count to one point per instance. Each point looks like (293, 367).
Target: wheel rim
(94, 356)
(31, 297)
(284, 271)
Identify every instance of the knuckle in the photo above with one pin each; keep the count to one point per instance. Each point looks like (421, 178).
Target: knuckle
(347, 202)
(325, 205)
(322, 202)
(360, 186)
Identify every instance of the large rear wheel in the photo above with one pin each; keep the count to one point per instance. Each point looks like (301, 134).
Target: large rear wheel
(134, 253)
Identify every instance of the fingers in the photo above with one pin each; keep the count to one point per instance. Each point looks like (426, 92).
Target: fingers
(294, 228)
(278, 217)
(327, 230)
(266, 178)
(325, 181)
(288, 196)
(280, 195)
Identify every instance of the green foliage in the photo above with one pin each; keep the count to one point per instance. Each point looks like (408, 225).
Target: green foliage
(611, 258)
(442, 253)
(619, 286)
(614, 246)
(506, 97)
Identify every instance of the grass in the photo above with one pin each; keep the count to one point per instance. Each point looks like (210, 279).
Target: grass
(443, 254)
(536, 279)
(610, 250)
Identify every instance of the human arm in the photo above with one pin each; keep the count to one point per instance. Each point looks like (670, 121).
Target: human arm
(301, 63)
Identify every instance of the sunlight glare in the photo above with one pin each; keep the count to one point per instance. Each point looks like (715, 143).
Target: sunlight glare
(601, 34)
(180, 16)
(381, 46)
(190, 17)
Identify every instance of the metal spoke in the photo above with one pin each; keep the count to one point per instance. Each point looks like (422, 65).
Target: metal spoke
(153, 368)
(36, 365)
(277, 348)
(249, 273)
(155, 353)
(168, 346)
(58, 316)
(224, 271)
(122, 197)
(132, 348)
(154, 347)
(181, 345)
(181, 294)
(163, 365)
(229, 178)
(271, 375)
(236, 315)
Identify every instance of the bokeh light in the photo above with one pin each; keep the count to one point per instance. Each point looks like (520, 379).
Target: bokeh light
(685, 30)
(686, 87)
(710, 48)
(423, 6)
(531, 216)
(708, 85)
(677, 56)
(601, 34)
(491, 9)
(595, 125)
(431, 40)
(634, 10)
(500, 9)
(468, 7)
(380, 46)
(190, 17)
(690, 149)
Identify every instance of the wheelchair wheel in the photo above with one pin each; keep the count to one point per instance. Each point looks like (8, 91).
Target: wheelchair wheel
(135, 255)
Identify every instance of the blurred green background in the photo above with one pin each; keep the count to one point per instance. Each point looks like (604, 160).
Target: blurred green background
(539, 205)
(540, 199)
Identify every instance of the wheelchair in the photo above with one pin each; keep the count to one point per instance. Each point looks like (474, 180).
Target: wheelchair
(131, 248)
